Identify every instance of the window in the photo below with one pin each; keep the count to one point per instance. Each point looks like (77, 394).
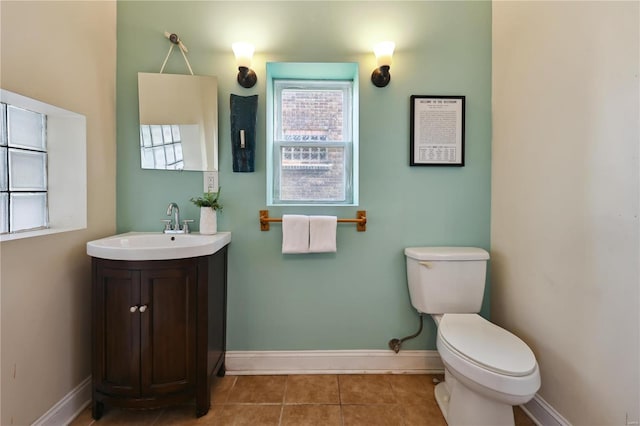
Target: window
(23, 180)
(43, 178)
(312, 134)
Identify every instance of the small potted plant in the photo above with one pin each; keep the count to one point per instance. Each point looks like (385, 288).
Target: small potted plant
(209, 203)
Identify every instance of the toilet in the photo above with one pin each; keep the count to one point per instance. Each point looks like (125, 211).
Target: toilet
(488, 370)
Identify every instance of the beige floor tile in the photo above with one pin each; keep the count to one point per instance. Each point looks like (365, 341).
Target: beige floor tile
(426, 414)
(186, 415)
(121, 417)
(312, 389)
(220, 389)
(372, 415)
(250, 415)
(412, 388)
(301, 400)
(521, 419)
(365, 389)
(258, 390)
(311, 415)
(84, 418)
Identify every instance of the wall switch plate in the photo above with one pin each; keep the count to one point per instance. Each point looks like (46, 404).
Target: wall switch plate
(210, 181)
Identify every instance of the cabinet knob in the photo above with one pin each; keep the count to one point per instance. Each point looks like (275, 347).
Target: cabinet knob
(143, 308)
(133, 309)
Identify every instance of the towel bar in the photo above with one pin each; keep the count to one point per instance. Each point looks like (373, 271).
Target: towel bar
(360, 220)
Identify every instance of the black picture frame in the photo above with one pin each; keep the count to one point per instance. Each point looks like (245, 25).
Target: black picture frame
(437, 126)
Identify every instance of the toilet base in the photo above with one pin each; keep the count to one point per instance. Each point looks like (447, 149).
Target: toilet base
(442, 398)
(461, 406)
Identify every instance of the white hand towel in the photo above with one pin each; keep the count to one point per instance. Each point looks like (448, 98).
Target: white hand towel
(295, 233)
(322, 234)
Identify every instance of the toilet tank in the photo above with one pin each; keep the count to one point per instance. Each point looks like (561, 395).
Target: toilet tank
(446, 279)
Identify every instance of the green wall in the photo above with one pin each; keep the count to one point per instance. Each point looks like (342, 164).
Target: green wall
(356, 298)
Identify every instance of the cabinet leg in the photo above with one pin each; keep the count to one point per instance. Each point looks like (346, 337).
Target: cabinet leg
(201, 411)
(203, 398)
(221, 371)
(97, 409)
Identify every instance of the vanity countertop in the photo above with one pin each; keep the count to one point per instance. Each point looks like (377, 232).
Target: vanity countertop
(157, 246)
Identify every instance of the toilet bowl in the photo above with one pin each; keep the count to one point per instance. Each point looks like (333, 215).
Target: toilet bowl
(489, 371)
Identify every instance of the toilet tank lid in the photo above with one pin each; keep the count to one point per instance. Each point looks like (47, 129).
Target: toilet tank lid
(446, 253)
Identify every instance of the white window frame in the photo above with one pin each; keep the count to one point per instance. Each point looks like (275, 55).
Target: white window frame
(67, 166)
(313, 76)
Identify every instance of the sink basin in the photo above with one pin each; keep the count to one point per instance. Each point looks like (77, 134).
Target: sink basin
(157, 246)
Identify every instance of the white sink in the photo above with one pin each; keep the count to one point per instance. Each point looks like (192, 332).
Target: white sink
(157, 246)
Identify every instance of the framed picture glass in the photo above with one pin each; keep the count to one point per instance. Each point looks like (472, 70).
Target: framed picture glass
(437, 131)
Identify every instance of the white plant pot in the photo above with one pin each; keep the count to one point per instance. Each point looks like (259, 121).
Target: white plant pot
(208, 221)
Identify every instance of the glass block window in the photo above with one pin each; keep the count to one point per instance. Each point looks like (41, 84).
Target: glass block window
(296, 157)
(313, 141)
(161, 147)
(23, 170)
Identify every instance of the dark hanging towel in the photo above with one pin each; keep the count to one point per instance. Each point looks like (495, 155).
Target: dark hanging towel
(244, 111)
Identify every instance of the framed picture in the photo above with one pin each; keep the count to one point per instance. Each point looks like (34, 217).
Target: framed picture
(437, 131)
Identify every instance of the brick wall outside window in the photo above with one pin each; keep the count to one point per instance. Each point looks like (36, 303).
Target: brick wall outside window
(315, 183)
(312, 115)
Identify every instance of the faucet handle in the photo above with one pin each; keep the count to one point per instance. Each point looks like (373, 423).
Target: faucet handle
(185, 225)
(167, 224)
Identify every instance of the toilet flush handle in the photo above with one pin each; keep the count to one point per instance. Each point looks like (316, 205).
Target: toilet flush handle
(426, 264)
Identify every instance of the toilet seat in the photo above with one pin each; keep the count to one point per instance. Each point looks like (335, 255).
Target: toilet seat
(486, 345)
(477, 351)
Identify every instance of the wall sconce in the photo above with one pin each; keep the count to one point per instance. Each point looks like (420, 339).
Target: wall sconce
(383, 51)
(244, 53)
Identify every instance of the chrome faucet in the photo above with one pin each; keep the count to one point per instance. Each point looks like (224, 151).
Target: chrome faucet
(175, 227)
(173, 208)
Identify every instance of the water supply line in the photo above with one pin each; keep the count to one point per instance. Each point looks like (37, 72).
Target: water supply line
(394, 344)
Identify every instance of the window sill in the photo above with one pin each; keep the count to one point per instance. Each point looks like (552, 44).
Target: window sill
(36, 233)
(321, 204)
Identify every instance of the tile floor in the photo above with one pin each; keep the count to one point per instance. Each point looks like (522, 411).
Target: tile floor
(301, 400)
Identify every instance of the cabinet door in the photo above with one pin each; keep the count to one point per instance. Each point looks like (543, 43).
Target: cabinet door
(168, 324)
(217, 307)
(116, 366)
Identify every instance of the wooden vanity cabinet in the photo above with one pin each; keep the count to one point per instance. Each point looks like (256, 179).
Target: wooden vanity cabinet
(158, 331)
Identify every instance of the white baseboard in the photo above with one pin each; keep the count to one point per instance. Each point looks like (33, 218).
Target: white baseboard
(333, 362)
(68, 407)
(543, 414)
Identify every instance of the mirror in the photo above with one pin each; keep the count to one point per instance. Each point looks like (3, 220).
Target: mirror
(178, 121)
